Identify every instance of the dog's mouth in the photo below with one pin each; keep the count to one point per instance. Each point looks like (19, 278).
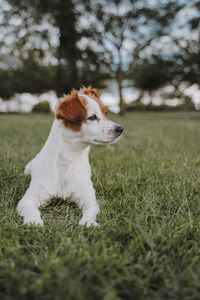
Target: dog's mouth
(101, 142)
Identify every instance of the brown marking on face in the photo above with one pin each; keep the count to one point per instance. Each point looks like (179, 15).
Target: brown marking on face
(111, 132)
(94, 95)
(72, 111)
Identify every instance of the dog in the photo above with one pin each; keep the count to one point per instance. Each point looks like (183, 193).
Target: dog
(61, 168)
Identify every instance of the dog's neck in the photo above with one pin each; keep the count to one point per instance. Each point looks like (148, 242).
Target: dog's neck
(68, 142)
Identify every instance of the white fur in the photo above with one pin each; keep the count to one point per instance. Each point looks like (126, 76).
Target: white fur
(62, 168)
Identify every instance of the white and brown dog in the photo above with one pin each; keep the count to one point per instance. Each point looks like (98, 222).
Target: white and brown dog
(62, 167)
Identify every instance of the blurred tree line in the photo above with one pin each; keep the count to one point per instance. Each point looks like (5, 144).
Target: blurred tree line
(61, 44)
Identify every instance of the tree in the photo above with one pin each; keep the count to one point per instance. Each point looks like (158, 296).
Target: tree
(70, 43)
(150, 75)
(108, 31)
(154, 66)
(186, 63)
(49, 31)
(42, 107)
(59, 14)
(30, 76)
(121, 26)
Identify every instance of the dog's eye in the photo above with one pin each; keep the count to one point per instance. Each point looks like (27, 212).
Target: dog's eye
(92, 118)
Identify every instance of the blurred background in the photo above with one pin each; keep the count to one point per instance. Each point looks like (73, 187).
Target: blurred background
(140, 54)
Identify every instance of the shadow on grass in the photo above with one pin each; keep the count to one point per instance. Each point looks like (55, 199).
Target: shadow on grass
(55, 202)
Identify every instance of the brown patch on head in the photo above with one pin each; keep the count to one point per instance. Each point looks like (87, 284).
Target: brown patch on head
(94, 95)
(72, 111)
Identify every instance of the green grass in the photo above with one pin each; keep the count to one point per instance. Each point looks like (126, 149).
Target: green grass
(148, 188)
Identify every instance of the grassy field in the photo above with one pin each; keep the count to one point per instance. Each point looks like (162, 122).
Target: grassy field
(148, 188)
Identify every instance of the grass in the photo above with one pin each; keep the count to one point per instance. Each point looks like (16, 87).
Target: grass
(148, 188)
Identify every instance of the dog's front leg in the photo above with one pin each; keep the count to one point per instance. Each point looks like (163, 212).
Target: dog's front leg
(90, 209)
(29, 204)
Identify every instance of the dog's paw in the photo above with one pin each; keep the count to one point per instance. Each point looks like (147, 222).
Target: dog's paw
(88, 222)
(33, 221)
(30, 214)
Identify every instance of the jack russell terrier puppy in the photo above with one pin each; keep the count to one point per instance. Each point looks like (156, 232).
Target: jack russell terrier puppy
(62, 167)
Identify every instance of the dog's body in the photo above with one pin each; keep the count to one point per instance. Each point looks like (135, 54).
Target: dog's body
(62, 166)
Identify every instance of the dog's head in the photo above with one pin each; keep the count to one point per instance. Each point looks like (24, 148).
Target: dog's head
(84, 114)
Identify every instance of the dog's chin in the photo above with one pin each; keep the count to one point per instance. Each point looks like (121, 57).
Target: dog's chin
(100, 142)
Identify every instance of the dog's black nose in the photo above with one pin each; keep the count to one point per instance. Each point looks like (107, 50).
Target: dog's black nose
(119, 129)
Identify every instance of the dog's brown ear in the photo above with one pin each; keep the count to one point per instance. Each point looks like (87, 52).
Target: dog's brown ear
(72, 108)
